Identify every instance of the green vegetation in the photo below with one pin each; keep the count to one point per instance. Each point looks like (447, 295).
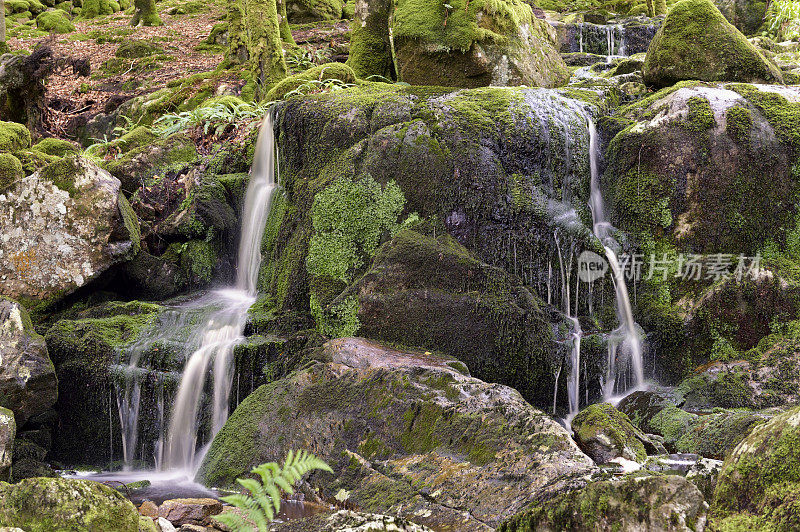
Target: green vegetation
(264, 502)
(55, 21)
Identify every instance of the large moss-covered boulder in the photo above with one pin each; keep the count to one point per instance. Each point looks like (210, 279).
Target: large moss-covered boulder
(63, 505)
(759, 482)
(8, 430)
(406, 434)
(65, 225)
(14, 137)
(55, 21)
(27, 377)
(632, 503)
(605, 434)
(431, 294)
(696, 42)
(300, 11)
(138, 165)
(474, 43)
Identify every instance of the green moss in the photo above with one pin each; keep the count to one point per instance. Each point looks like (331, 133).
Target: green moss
(95, 8)
(603, 421)
(33, 160)
(56, 147)
(136, 138)
(700, 117)
(55, 21)
(62, 173)
(14, 137)
(10, 170)
(370, 47)
(696, 42)
(738, 123)
(783, 115)
(145, 14)
(134, 49)
(328, 71)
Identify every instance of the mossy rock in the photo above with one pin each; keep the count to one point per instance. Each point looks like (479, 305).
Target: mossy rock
(154, 158)
(95, 8)
(135, 49)
(55, 21)
(409, 411)
(474, 43)
(635, 502)
(605, 433)
(760, 480)
(55, 147)
(301, 11)
(14, 137)
(63, 505)
(328, 71)
(11, 170)
(696, 42)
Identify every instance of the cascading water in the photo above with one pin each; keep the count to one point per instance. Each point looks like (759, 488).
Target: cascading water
(222, 314)
(225, 327)
(631, 342)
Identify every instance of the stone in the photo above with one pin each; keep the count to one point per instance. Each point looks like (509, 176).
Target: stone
(8, 429)
(61, 505)
(405, 434)
(474, 44)
(302, 11)
(164, 525)
(66, 225)
(28, 384)
(695, 42)
(189, 511)
(746, 15)
(634, 502)
(760, 479)
(149, 509)
(605, 433)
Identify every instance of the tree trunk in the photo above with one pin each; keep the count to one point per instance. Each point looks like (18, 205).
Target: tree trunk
(145, 14)
(264, 44)
(237, 45)
(286, 32)
(651, 12)
(660, 7)
(370, 46)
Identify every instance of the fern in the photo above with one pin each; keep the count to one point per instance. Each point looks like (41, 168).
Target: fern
(262, 505)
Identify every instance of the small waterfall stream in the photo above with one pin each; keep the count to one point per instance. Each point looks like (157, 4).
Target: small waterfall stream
(221, 316)
(631, 341)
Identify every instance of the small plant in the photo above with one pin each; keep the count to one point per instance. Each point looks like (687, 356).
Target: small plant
(305, 59)
(217, 116)
(264, 501)
(318, 86)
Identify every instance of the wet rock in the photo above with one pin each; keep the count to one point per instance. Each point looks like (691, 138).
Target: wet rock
(60, 505)
(149, 509)
(696, 42)
(625, 36)
(641, 406)
(65, 225)
(362, 522)
(28, 383)
(746, 15)
(405, 434)
(632, 503)
(445, 47)
(759, 482)
(189, 511)
(605, 433)
(8, 430)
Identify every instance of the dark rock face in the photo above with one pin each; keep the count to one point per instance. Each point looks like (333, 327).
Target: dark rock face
(623, 37)
(428, 293)
(8, 430)
(388, 422)
(27, 377)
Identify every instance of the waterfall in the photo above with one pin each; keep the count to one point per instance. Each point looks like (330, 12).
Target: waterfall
(225, 327)
(222, 316)
(631, 342)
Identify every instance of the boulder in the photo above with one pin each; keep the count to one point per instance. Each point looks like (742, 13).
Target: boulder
(189, 511)
(760, 480)
(746, 15)
(28, 384)
(66, 225)
(605, 434)
(14, 137)
(405, 434)
(632, 503)
(474, 44)
(301, 11)
(430, 293)
(62, 505)
(139, 164)
(695, 42)
(8, 429)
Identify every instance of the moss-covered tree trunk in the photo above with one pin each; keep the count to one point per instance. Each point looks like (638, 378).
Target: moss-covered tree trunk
(237, 39)
(660, 7)
(264, 44)
(3, 45)
(286, 32)
(370, 45)
(651, 12)
(145, 14)
(95, 8)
